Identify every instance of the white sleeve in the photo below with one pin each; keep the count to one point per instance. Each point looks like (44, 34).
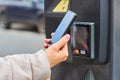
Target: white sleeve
(25, 67)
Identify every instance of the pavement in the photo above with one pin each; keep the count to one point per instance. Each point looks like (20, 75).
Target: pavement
(15, 41)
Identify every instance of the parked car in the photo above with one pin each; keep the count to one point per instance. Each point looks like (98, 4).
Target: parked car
(22, 11)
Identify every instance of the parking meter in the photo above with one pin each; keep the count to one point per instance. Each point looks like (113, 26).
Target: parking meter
(90, 49)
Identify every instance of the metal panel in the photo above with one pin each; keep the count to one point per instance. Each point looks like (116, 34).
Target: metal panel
(115, 20)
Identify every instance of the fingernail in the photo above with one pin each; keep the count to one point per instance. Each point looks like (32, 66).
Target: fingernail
(67, 36)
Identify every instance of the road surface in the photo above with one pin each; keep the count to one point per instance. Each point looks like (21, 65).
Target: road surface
(18, 42)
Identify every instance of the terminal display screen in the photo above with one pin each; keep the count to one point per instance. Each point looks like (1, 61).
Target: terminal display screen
(82, 40)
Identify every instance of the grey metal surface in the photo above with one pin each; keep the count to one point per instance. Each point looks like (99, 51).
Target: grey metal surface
(67, 71)
(115, 61)
(89, 75)
(88, 11)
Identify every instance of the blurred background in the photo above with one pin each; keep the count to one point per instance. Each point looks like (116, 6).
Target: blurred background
(22, 27)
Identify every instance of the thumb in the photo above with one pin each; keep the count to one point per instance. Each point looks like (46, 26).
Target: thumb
(62, 42)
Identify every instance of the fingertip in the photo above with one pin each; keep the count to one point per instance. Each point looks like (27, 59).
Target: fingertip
(62, 41)
(45, 46)
(47, 41)
(52, 33)
(67, 36)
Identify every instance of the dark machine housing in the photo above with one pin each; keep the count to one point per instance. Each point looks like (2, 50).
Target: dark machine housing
(94, 48)
(93, 11)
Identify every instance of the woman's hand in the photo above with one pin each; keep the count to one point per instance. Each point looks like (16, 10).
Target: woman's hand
(57, 52)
